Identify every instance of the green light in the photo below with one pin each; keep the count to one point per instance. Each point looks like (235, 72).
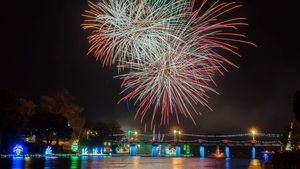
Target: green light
(74, 162)
(74, 147)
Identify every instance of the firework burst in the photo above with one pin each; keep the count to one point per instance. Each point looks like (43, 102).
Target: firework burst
(171, 84)
(175, 81)
(123, 30)
(170, 51)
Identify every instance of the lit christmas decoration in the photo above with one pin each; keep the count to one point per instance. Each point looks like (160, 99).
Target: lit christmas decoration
(187, 150)
(18, 149)
(48, 151)
(74, 146)
(289, 146)
(84, 151)
(95, 151)
(107, 149)
(170, 150)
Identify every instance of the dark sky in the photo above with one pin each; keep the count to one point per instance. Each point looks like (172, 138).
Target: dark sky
(44, 50)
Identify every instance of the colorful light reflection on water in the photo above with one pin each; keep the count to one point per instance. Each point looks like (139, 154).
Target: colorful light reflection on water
(76, 162)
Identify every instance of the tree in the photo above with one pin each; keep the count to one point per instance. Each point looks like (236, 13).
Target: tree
(98, 133)
(297, 105)
(49, 126)
(27, 109)
(62, 103)
(114, 127)
(11, 121)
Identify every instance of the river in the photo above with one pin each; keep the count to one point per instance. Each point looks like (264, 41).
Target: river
(128, 163)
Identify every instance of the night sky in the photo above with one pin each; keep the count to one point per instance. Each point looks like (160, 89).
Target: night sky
(44, 50)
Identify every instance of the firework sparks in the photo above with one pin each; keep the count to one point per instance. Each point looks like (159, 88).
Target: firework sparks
(169, 84)
(174, 82)
(170, 51)
(123, 30)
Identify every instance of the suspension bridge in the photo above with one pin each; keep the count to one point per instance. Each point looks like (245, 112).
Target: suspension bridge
(180, 144)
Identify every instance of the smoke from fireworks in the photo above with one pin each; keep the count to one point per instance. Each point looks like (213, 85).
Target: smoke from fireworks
(170, 51)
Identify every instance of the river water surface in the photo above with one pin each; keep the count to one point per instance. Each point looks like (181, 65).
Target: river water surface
(128, 163)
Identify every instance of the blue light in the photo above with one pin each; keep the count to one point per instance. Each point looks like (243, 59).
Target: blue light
(266, 156)
(133, 150)
(48, 151)
(155, 151)
(18, 150)
(178, 151)
(202, 152)
(253, 152)
(227, 153)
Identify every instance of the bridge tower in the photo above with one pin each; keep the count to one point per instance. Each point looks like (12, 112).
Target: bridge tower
(201, 148)
(227, 150)
(155, 150)
(253, 152)
(133, 150)
(178, 151)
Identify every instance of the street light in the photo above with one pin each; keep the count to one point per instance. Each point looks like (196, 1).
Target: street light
(176, 132)
(179, 132)
(253, 132)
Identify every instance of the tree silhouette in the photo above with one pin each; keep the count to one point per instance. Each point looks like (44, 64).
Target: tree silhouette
(62, 103)
(11, 120)
(27, 109)
(49, 126)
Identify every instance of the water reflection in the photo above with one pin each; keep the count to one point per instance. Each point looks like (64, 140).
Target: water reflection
(255, 164)
(96, 163)
(27, 162)
(201, 164)
(227, 163)
(84, 161)
(131, 163)
(177, 163)
(17, 163)
(50, 162)
(74, 162)
(136, 162)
